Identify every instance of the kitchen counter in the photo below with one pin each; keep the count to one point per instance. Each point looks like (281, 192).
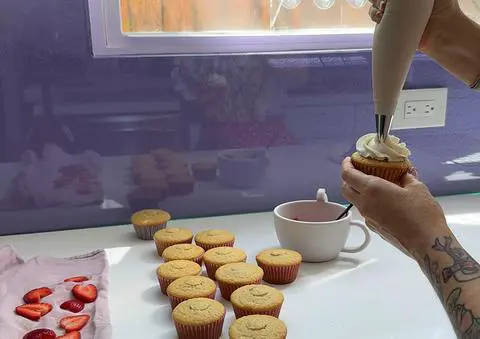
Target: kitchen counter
(378, 293)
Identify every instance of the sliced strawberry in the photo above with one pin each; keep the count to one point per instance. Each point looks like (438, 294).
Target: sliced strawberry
(87, 293)
(41, 333)
(34, 296)
(28, 313)
(78, 279)
(74, 306)
(71, 335)
(42, 308)
(74, 323)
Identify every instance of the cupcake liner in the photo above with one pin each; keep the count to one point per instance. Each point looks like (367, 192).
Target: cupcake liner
(207, 331)
(241, 312)
(198, 260)
(391, 174)
(227, 289)
(147, 232)
(207, 247)
(163, 282)
(279, 275)
(161, 246)
(174, 301)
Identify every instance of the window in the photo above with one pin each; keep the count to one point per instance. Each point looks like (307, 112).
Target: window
(173, 27)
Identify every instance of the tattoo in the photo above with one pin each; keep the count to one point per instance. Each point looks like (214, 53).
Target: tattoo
(432, 272)
(464, 267)
(466, 325)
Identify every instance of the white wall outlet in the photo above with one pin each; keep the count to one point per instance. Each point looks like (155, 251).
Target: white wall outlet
(421, 108)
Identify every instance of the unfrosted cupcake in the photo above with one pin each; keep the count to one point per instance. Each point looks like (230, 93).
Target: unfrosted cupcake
(387, 160)
(258, 327)
(181, 184)
(173, 270)
(190, 287)
(219, 256)
(256, 299)
(214, 238)
(204, 170)
(233, 276)
(199, 318)
(172, 236)
(147, 222)
(183, 252)
(280, 265)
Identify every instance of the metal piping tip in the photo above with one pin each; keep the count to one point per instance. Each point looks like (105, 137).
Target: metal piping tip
(383, 124)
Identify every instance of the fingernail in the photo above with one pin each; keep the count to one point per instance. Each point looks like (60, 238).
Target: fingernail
(383, 5)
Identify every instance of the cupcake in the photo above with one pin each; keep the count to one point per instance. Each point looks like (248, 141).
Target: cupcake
(233, 276)
(147, 222)
(151, 178)
(142, 198)
(161, 155)
(204, 171)
(171, 236)
(280, 265)
(183, 252)
(387, 160)
(258, 327)
(214, 238)
(256, 299)
(199, 318)
(190, 287)
(143, 160)
(172, 270)
(219, 256)
(181, 184)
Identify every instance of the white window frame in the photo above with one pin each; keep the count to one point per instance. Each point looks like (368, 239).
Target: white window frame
(109, 41)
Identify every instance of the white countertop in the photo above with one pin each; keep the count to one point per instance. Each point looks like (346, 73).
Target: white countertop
(378, 293)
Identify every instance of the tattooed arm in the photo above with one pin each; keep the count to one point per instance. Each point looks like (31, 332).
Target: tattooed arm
(455, 276)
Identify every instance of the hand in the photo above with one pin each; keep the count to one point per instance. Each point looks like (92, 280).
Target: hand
(442, 10)
(406, 215)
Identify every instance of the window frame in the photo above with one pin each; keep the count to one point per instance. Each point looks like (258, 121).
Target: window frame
(108, 39)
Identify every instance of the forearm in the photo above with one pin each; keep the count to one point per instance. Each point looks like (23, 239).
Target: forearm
(456, 47)
(455, 276)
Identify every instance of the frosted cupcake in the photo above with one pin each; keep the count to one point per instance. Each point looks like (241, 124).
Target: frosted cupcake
(173, 270)
(257, 299)
(258, 326)
(199, 318)
(191, 287)
(219, 256)
(172, 236)
(233, 276)
(387, 160)
(183, 252)
(147, 222)
(214, 238)
(279, 265)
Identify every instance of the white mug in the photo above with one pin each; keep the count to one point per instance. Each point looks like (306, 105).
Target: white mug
(309, 227)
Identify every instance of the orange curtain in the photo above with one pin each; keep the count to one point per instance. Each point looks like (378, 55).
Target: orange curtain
(178, 15)
(141, 15)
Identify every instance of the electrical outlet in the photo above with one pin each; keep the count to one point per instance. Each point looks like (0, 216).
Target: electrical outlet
(421, 109)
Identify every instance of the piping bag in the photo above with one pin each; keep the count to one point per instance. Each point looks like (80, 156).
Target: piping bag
(395, 42)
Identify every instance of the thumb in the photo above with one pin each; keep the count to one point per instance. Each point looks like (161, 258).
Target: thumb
(408, 180)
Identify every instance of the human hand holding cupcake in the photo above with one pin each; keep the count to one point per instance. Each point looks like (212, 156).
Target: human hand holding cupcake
(387, 160)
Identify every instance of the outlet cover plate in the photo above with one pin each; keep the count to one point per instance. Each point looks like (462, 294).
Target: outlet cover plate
(404, 119)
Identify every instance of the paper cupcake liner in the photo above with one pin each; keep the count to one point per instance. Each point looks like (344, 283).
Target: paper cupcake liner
(147, 232)
(174, 301)
(198, 260)
(212, 268)
(164, 284)
(279, 275)
(241, 312)
(207, 331)
(161, 246)
(207, 247)
(391, 174)
(227, 289)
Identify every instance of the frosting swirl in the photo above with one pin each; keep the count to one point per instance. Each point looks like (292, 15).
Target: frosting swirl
(391, 150)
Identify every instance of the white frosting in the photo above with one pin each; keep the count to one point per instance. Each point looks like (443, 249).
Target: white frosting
(369, 146)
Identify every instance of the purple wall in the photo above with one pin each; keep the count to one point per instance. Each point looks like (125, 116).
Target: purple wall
(306, 111)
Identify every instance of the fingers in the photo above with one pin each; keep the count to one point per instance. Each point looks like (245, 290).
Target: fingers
(377, 9)
(350, 194)
(352, 177)
(408, 180)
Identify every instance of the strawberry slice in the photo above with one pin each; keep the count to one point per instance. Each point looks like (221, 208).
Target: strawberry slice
(34, 296)
(74, 323)
(74, 306)
(87, 293)
(78, 279)
(71, 335)
(28, 313)
(41, 333)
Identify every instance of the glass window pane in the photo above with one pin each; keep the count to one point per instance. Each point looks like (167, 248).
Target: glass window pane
(234, 16)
